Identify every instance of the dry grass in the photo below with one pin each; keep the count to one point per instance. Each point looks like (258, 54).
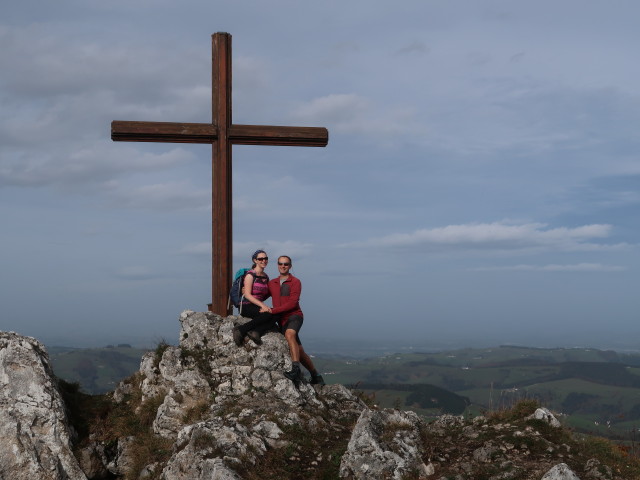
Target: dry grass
(196, 413)
(307, 455)
(106, 421)
(546, 446)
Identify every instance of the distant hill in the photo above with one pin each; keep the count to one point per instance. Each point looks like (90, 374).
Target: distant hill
(418, 397)
(97, 370)
(599, 388)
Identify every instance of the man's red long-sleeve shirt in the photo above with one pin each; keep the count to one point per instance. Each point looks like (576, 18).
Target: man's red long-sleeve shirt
(286, 298)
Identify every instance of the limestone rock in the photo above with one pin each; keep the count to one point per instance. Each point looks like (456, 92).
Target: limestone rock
(218, 401)
(207, 368)
(124, 457)
(384, 444)
(546, 416)
(595, 470)
(560, 472)
(93, 461)
(36, 438)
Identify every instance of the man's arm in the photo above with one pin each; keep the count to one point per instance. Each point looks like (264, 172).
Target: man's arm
(292, 301)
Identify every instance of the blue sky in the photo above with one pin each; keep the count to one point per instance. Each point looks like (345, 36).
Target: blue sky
(480, 186)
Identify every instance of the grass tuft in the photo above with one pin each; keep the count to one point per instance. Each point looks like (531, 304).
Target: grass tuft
(518, 412)
(159, 351)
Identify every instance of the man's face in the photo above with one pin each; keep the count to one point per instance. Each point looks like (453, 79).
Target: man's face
(284, 265)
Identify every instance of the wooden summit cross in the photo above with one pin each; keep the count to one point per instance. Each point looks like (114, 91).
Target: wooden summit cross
(221, 134)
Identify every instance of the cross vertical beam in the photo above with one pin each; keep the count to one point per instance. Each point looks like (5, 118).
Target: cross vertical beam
(221, 183)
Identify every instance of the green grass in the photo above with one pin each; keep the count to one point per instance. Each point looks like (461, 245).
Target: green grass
(496, 378)
(99, 418)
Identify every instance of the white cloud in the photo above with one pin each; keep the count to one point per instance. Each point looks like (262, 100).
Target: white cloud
(415, 47)
(498, 236)
(164, 196)
(314, 200)
(296, 250)
(243, 250)
(579, 267)
(251, 78)
(85, 165)
(45, 63)
(355, 114)
(59, 94)
(203, 248)
(135, 273)
(340, 110)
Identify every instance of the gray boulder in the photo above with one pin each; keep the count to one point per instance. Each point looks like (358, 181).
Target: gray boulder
(385, 444)
(36, 438)
(546, 416)
(560, 472)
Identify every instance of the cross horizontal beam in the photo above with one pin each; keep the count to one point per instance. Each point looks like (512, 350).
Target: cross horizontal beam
(128, 131)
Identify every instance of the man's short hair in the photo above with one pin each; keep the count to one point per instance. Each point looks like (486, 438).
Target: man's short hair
(287, 257)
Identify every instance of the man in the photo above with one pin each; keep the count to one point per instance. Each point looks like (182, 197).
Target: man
(285, 294)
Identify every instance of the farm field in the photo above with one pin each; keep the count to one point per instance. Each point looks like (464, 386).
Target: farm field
(594, 391)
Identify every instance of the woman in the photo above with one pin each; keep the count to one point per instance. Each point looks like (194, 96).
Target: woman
(255, 291)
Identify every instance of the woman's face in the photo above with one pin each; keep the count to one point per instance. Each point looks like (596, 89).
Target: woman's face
(262, 259)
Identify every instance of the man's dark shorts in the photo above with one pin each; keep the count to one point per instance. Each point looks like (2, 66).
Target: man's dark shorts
(294, 323)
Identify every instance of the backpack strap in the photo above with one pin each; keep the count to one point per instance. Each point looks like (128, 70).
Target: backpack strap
(253, 274)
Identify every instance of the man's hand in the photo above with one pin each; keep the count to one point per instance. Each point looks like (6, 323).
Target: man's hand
(264, 308)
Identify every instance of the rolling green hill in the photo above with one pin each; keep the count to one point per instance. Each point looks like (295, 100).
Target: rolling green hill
(598, 390)
(97, 370)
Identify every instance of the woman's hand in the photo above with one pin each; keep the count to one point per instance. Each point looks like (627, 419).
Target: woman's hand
(264, 308)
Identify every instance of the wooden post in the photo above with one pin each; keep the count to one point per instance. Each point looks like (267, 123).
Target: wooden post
(222, 212)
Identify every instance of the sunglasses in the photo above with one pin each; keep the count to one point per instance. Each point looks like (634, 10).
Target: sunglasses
(262, 259)
(286, 264)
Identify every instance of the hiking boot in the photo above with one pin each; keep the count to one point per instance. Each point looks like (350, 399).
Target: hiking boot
(317, 380)
(238, 337)
(255, 336)
(295, 375)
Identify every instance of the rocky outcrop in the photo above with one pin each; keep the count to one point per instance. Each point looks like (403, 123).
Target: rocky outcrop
(560, 472)
(207, 409)
(208, 368)
(35, 432)
(385, 444)
(225, 407)
(546, 416)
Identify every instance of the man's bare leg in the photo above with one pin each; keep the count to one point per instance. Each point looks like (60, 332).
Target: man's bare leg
(294, 348)
(305, 360)
(299, 356)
